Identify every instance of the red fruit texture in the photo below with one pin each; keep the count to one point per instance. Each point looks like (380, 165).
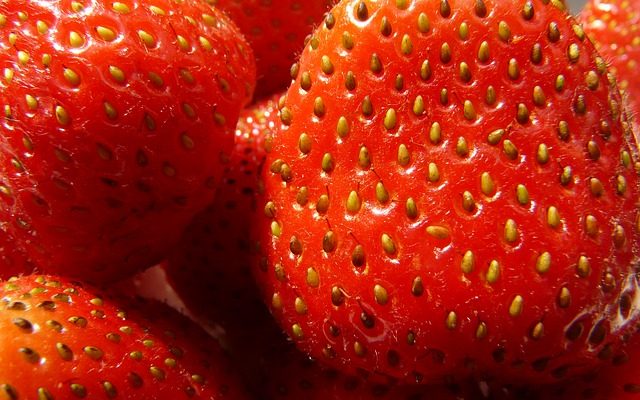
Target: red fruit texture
(211, 264)
(453, 194)
(276, 30)
(61, 340)
(116, 118)
(614, 27)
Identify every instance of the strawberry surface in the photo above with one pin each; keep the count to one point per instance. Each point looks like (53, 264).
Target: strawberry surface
(210, 272)
(117, 116)
(276, 30)
(211, 264)
(61, 340)
(453, 194)
(614, 26)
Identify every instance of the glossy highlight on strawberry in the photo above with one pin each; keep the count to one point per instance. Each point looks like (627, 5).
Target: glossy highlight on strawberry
(62, 340)
(116, 116)
(453, 194)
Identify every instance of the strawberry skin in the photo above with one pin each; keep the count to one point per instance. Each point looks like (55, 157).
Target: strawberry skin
(210, 272)
(276, 30)
(613, 25)
(65, 341)
(218, 236)
(116, 118)
(453, 194)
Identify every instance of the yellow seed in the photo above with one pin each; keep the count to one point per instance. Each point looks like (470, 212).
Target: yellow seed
(121, 8)
(390, 119)
(32, 102)
(504, 32)
(380, 294)
(543, 154)
(71, 76)
(62, 115)
(313, 278)
(23, 57)
(564, 298)
(553, 32)
(591, 225)
(381, 193)
(452, 320)
(468, 262)
(537, 331)
(539, 99)
(574, 53)
(583, 268)
(592, 80)
(117, 74)
(42, 27)
(343, 127)
(423, 23)
(388, 245)
(75, 39)
(487, 184)
(483, 52)
(326, 65)
(462, 148)
(469, 110)
(147, 38)
(110, 110)
(543, 263)
(106, 34)
(516, 307)
(205, 43)
(434, 174)
(318, 107)
(463, 31)
(465, 72)
(8, 75)
(353, 202)
(522, 194)
(621, 185)
(425, 70)
(406, 46)
(510, 149)
(553, 217)
(411, 208)
(513, 70)
(183, 43)
(156, 79)
(522, 115)
(435, 133)
(438, 232)
(597, 189)
(493, 272)
(445, 53)
(481, 330)
(495, 136)
(327, 163)
(300, 306)
(403, 155)
(511, 231)
(304, 143)
(468, 203)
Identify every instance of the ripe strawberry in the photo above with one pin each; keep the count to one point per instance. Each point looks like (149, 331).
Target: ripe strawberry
(276, 30)
(454, 194)
(64, 341)
(219, 234)
(614, 26)
(116, 117)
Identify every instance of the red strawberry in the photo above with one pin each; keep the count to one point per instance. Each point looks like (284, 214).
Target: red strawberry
(64, 341)
(615, 27)
(276, 30)
(454, 194)
(116, 118)
(210, 272)
(219, 235)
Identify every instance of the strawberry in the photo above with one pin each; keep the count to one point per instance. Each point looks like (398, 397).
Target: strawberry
(63, 341)
(613, 25)
(219, 234)
(210, 271)
(276, 30)
(453, 195)
(116, 118)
